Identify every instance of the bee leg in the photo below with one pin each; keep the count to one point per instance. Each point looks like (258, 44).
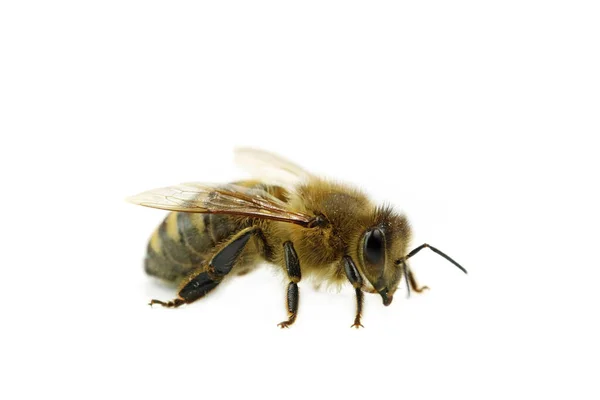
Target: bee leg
(414, 285)
(293, 270)
(219, 266)
(355, 279)
(171, 304)
(197, 286)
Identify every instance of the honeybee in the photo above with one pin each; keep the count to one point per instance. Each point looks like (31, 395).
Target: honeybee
(303, 224)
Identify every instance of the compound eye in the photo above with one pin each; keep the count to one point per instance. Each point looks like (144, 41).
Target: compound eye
(374, 246)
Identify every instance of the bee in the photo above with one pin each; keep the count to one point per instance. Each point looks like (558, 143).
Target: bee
(303, 224)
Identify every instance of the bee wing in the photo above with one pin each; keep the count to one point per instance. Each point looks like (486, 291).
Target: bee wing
(270, 167)
(220, 199)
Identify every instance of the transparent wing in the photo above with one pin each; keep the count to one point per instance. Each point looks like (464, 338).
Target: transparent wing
(215, 199)
(270, 167)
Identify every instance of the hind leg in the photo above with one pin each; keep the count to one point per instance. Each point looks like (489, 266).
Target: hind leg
(169, 304)
(197, 287)
(201, 283)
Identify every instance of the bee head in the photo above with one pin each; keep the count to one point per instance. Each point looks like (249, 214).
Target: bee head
(382, 244)
(383, 252)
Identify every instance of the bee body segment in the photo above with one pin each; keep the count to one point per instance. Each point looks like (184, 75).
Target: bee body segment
(184, 242)
(306, 226)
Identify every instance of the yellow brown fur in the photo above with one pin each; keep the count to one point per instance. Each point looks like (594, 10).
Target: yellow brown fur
(317, 229)
(348, 213)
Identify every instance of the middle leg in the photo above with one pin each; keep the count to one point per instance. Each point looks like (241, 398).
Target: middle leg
(293, 270)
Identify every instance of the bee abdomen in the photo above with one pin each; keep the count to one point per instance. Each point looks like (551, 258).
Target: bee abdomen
(194, 232)
(183, 242)
(159, 266)
(169, 256)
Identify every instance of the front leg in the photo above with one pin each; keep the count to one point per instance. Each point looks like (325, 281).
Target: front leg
(413, 283)
(292, 266)
(355, 279)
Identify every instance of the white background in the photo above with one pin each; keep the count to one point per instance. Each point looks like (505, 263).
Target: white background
(477, 119)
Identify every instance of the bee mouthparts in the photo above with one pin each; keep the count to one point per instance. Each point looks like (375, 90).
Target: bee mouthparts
(387, 300)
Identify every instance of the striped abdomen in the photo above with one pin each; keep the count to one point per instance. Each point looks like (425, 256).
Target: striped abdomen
(184, 241)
